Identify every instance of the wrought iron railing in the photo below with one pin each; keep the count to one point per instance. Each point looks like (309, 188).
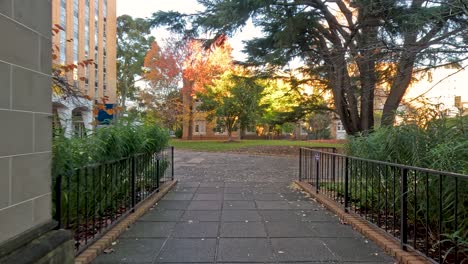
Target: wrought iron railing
(424, 209)
(90, 200)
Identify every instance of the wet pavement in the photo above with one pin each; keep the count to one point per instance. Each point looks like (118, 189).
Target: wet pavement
(236, 208)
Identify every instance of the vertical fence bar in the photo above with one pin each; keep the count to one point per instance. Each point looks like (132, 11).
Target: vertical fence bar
(58, 201)
(158, 174)
(404, 209)
(333, 161)
(69, 175)
(346, 186)
(386, 197)
(86, 205)
(172, 163)
(440, 217)
(456, 219)
(415, 212)
(77, 234)
(93, 173)
(300, 164)
(317, 172)
(106, 194)
(133, 188)
(427, 215)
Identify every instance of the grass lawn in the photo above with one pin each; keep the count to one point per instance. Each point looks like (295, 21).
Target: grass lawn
(213, 145)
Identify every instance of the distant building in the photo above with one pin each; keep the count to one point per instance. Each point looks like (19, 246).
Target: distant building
(90, 33)
(445, 87)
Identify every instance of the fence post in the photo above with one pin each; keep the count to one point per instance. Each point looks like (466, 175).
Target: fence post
(58, 201)
(404, 208)
(133, 191)
(317, 184)
(172, 162)
(158, 176)
(300, 164)
(346, 185)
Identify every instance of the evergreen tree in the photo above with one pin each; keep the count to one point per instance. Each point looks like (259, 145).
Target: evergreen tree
(352, 46)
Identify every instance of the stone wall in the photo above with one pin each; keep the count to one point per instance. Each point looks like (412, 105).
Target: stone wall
(25, 116)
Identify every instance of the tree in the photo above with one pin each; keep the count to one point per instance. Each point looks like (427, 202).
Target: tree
(133, 41)
(202, 65)
(168, 111)
(318, 125)
(285, 102)
(352, 46)
(233, 100)
(163, 69)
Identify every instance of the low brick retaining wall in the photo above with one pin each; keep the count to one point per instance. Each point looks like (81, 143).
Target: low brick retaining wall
(106, 241)
(387, 243)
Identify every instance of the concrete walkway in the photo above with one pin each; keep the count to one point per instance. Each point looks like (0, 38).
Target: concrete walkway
(239, 208)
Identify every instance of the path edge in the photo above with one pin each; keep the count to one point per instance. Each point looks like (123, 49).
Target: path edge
(106, 240)
(390, 245)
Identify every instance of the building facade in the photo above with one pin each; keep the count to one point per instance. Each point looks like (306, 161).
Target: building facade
(27, 232)
(89, 33)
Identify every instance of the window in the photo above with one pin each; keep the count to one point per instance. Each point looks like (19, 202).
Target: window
(63, 24)
(339, 126)
(221, 131)
(196, 104)
(86, 29)
(75, 31)
(199, 127)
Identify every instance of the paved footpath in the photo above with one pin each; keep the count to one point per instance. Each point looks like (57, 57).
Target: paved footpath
(231, 208)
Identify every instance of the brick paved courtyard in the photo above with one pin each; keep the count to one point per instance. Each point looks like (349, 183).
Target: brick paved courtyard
(230, 208)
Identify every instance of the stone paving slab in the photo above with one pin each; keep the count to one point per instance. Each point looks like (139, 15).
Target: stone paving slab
(236, 208)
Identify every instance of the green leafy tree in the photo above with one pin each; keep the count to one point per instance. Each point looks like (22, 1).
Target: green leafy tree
(133, 41)
(318, 125)
(352, 46)
(285, 103)
(233, 100)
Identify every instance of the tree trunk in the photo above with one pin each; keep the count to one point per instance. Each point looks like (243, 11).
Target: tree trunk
(243, 132)
(187, 100)
(367, 74)
(402, 77)
(398, 89)
(344, 95)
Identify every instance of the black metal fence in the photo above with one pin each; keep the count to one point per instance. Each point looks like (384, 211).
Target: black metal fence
(90, 200)
(424, 209)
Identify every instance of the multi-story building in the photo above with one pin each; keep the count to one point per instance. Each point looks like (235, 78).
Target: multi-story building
(89, 33)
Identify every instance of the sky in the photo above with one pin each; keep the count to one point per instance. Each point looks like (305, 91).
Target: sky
(145, 8)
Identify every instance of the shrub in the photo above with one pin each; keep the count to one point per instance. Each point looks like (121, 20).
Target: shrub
(178, 133)
(111, 181)
(441, 144)
(106, 144)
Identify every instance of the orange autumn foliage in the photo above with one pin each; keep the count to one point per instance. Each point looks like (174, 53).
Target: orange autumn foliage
(202, 65)
(162, 67)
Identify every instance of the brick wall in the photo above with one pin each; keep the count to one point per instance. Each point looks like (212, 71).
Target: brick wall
(25, 115)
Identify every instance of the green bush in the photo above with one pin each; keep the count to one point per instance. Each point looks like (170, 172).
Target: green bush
(178, 133)
(441, 145)
(107, 144)
(112, 183)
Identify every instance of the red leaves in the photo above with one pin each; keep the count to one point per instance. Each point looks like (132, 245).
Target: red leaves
(56, 29)
(59, 27)
(162, 65)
